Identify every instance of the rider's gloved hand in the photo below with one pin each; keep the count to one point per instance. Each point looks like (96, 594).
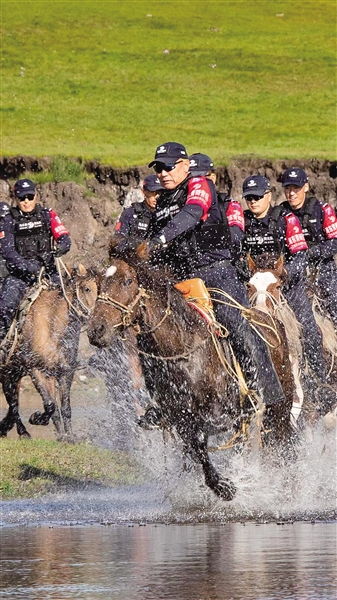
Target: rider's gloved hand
(150, 248)
(62, 246)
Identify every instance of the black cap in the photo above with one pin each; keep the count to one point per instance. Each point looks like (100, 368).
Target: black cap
(255, 185)
(200, 164)
(22, 187)
(294, 176)
(169, 153)
(152, 183)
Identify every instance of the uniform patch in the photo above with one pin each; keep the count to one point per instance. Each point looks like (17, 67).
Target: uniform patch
(2, 235)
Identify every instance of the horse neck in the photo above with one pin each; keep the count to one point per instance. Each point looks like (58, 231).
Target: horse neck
(163, 316)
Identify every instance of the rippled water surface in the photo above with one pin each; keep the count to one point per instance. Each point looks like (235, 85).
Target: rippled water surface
(176, 562)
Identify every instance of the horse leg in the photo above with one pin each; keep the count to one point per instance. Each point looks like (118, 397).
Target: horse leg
(10, 388)
(64, 387)
(46, 386)
(195, 441)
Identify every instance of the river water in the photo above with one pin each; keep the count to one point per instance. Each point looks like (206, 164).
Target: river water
(214, 561)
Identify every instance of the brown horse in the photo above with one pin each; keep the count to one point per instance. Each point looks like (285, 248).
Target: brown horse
(180, 360)
(265, 290)
(47, 350)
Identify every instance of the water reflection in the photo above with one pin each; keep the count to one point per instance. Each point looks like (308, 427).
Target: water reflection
(200, 562)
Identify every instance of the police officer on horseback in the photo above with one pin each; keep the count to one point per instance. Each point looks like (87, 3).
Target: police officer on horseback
(277, 230)
(319, 223)
(31, 236)
(135, 221)
(193, 236)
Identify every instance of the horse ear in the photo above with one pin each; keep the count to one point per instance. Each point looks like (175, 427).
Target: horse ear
(79, 270)
(143, 251)
(251, 263)
(279, 265)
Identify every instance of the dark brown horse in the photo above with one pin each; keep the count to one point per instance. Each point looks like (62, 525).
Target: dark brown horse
(181, 366)
(47, 350)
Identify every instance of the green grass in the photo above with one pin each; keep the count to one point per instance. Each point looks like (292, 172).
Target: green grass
(90, 78)
(61, 168)
(30, 468)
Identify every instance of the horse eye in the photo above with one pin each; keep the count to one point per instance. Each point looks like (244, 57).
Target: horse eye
(128, 281)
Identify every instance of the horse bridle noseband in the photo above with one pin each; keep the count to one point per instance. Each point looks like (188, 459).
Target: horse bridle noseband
(126, 310)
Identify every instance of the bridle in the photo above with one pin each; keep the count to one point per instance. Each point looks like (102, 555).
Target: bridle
(125, 309)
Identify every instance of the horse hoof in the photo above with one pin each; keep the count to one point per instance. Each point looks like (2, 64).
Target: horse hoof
(39, 418)
(25, 435)
(225, 489)
(3, 434)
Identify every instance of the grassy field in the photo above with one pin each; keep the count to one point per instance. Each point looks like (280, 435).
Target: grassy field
(31, 468)
(110, 80)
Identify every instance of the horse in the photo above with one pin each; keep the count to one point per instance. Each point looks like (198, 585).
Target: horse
(46, 349)
(181, 366)
(265, 292)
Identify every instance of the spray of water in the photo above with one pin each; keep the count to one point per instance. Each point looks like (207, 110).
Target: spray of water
(173, 489)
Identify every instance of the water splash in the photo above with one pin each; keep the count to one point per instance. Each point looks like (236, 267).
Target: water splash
(268, 488)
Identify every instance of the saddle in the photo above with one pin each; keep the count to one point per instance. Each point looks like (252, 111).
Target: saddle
(196, 294)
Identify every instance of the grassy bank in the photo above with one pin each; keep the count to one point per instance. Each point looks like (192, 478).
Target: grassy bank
(111, 80)
(30, 468)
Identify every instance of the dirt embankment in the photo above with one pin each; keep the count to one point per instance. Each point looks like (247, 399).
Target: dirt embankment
(90, 210)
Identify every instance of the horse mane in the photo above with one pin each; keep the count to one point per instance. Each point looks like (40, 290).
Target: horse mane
(266, 260)
(160, 280)
(326, 326)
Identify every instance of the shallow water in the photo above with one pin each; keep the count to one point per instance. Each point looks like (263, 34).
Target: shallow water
(176, 562)
(171, 537)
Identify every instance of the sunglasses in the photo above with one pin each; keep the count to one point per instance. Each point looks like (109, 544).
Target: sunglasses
(29, 197)
(159, 167)
(253, 198)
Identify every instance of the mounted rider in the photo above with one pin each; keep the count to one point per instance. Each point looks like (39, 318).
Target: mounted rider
(319, 223)
(193, 239)
(4, 210)
(277, 230)
(31, 236)
(135, 221)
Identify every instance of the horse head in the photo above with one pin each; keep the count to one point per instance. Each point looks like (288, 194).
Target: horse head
(117, 302)
(265, 284)
(86, 286)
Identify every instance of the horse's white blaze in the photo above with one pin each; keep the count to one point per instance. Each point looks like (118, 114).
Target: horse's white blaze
(110, 271)
(261, 282)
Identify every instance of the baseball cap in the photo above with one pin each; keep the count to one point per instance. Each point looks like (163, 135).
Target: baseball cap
(294, 176)
(169, 153)
(152, 183)
(255, 185)
(200, 164)
(22, 187)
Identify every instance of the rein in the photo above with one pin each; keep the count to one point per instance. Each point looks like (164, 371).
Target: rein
(83, 312)
(125, 309)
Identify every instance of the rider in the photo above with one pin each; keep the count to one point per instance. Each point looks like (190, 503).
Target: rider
(194, 239)
(319, 223)
(135, 221)
(278, 231)
(31, 238)
(4, 210)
